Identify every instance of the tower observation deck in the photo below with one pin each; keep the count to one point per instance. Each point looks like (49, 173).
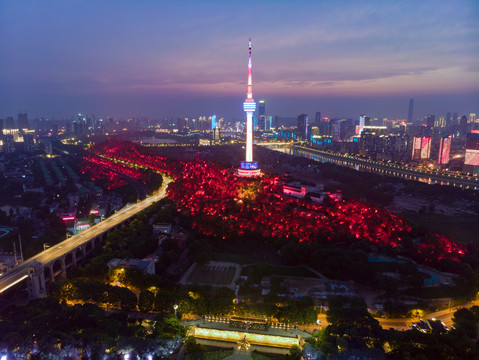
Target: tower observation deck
(249, 167)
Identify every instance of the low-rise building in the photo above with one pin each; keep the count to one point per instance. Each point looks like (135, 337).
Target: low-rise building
(146, 266)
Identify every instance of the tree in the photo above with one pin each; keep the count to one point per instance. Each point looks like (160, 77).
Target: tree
(295, 352)
(349, 318)
(146, 301)
(192, 345)
(168, 327)
(128, 299)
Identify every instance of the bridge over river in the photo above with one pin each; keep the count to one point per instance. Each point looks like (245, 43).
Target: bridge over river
(427, 176)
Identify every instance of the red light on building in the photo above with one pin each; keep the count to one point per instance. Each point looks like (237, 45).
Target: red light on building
(472, 157)
(94, 212)
(68, 218)
(444, 150)
(472, 149)
(421, 148)
(416, 148)
(425, 148)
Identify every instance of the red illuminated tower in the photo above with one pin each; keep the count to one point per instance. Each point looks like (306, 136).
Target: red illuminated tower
(249, 167)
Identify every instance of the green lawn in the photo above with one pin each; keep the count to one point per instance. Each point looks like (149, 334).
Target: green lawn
(257, 356)
(215, 275)
(209, 355)
(462, 228)
(259, 270)
(230, 257)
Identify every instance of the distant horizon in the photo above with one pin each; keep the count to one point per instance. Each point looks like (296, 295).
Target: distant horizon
(231, 108)
(161, 59)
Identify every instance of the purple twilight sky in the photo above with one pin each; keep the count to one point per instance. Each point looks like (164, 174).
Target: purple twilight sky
(188, 58)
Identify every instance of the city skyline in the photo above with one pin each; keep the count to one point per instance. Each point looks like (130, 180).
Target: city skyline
(170, 59)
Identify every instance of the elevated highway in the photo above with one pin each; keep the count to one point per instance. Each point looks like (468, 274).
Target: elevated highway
(53, 262)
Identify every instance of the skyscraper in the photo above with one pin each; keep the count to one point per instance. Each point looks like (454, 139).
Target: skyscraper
(421, 148)
(410, 110)
(23, 121)
(213, 122)
(262, 115)
(471, 158)
(430, 120)
(248, 167)
(448, 119)
(8, 123)
(303, 121)
(444, 150)
(317, 119)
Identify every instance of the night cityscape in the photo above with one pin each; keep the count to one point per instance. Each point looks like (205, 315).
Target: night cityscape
(263, 180)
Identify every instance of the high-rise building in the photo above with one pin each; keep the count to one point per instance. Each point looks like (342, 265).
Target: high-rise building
(213, 122)
(472, 149)
(325, 127)
(8, 144)
(9, 123)
(455, 119)
(269, 123)
(363, 121)
(261, 115)
(317, 119)
(335, 129)
(23, 121)
(410, 111)
(248, 167)
(421, 148)
(444, 150)
(314, 131)
(29, 142)
(303, 121)
(441, 122)
(448, 119)
(430, 120)
(463, 125)
(215, 136)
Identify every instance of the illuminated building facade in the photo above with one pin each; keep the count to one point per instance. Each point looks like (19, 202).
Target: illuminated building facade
(471, 161)
(444, 150)
(425, 147)
(363, 121)
(421, 148)
(248, 167)
(303, 125)
(262, 115)
(213, 122)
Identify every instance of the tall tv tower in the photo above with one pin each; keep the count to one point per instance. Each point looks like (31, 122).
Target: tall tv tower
(248, 167)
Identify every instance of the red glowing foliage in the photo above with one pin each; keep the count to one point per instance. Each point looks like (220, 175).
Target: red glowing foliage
(224, 205)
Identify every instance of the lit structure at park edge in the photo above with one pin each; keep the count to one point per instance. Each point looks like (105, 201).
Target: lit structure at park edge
(249, 167)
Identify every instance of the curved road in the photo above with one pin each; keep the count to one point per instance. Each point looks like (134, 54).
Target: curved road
(49, 255)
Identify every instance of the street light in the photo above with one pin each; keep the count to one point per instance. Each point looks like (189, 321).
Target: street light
(176, 308)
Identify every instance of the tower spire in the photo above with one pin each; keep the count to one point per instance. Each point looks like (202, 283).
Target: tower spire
(249, 94)
(248, 167)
